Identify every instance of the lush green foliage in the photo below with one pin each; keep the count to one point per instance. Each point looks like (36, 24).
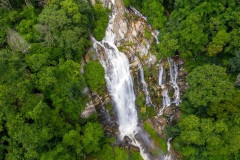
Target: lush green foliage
(94, 75)
(209, 84)
(209, 127)
(153, 9)
(41, 86)
(101, 22)
(109, 153)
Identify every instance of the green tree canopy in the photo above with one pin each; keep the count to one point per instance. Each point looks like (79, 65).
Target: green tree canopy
(94, 75)
(209, 84)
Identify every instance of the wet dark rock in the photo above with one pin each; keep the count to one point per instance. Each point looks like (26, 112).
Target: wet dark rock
(127, 140)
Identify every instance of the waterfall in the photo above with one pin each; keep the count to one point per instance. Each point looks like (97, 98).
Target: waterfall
(168, 157)
(173, 80)
(138, 13)
(155, 34)
(107, 115)
(165, 97)
(160, 76)
(166, 101)
(120, 87)
(119, 84)
(142, 79)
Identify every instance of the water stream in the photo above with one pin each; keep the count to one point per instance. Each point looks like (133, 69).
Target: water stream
(173, 80)
(166, 101)
(168, 157)
(119, 83)
(144, 84)
(138, 13)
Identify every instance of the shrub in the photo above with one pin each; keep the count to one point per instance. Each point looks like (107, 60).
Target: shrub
(94, 76)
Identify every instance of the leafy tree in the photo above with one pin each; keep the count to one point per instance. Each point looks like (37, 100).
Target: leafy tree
(40, 91)
(167, 47)
(26, 25)
(54, 18)
(101, 17)
(94, 76)
(218, 42)
(92, 135)
(60, 28)
(154, 10)
(209, 84)
(211, 136)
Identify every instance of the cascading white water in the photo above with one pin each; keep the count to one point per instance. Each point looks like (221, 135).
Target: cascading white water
(138, 13)
(168, 157)
(120, 87)
(155, 34)
(173, 80)
(160, 75)
(165, 101)
(142, 79)
(119, 84)
(165, 98)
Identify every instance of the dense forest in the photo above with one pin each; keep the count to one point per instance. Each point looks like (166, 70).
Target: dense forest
(41, 86)
(42, 44)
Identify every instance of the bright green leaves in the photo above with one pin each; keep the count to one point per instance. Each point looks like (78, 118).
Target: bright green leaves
(94, 76)
(213, 136)
(36, 61)
(54, 18)
(154, 10)
(209, 84)
(73, 41)
(209, 130)
(72, 140)
(191, 35)
(167, 47)
(101, 17)
(190, 122)
(66, 94)
(92, 135)
(190, 133)
(64, 26)
(26, 25)
(218, 42)
(41, 95)
(220, 126)
(71, 8)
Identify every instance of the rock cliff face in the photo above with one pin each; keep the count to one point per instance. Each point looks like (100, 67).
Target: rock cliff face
(134, 38)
